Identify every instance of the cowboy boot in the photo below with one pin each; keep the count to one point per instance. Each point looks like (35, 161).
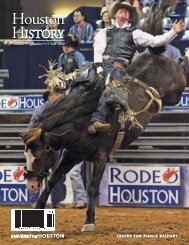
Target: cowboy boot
(98, 121)
(98, 127)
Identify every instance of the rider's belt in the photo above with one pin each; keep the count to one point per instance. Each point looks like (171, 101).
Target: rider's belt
(120, 60)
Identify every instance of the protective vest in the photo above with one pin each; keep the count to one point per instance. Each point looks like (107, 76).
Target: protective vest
(120, 43)
(69, 63)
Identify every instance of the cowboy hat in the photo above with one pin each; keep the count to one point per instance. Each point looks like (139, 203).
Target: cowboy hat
(71, 41)
(126, 5)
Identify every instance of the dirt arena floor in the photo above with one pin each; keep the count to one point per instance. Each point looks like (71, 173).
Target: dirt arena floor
(115, 226)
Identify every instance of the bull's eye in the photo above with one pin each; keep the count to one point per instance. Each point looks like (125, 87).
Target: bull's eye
(47, 148)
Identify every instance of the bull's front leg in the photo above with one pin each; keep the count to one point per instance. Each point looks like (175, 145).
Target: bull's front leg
(93, 192)
(64, 166)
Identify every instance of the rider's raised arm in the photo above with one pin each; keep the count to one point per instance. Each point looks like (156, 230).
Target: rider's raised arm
(147, 40)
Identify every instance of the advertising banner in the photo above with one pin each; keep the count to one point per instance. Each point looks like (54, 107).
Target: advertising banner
(13, 186)
(13, 190)
(182, 105)
(158, 186)
(30, 102)
(21, 102)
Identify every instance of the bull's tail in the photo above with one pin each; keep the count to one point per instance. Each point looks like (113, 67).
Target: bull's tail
(154, 22)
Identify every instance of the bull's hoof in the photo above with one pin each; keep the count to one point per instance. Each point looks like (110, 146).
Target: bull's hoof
(88, 227)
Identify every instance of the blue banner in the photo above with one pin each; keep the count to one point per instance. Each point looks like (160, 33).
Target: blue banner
(15, 194)
(13, 188)
(20, 103)
(182, 105)
(142, 186)
(163, 196)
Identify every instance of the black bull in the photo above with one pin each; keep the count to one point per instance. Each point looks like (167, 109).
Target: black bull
(64, 126)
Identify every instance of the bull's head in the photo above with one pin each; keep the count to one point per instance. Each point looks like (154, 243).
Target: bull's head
(40, 158)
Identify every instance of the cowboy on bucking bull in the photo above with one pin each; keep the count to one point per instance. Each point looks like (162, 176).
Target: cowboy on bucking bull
(115, 47)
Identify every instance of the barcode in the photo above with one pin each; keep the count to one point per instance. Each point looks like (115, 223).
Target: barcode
(33, 219)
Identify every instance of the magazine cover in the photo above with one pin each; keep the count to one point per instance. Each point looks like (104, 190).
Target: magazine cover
(94, 125)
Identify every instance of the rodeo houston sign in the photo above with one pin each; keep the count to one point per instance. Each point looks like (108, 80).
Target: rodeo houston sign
(20, 103)
(182, 105)
(124, 185)
(13, 186)
(13, 190)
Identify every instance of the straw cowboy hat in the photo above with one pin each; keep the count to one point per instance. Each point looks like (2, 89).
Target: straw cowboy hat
(55, 79)
(133, 13)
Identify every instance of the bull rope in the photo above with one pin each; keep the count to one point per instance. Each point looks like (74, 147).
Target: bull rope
(130, 115)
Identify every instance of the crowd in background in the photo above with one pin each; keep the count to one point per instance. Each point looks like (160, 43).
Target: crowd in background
(85, 31)
(82, 29)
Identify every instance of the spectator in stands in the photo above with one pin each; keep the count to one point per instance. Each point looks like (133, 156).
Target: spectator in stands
(79, 193)
(51, 27)
(170, 52)
(108, 3)
(82, 29)
(118, 52)
(105, 21)
(71, 58)
(21, 39)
